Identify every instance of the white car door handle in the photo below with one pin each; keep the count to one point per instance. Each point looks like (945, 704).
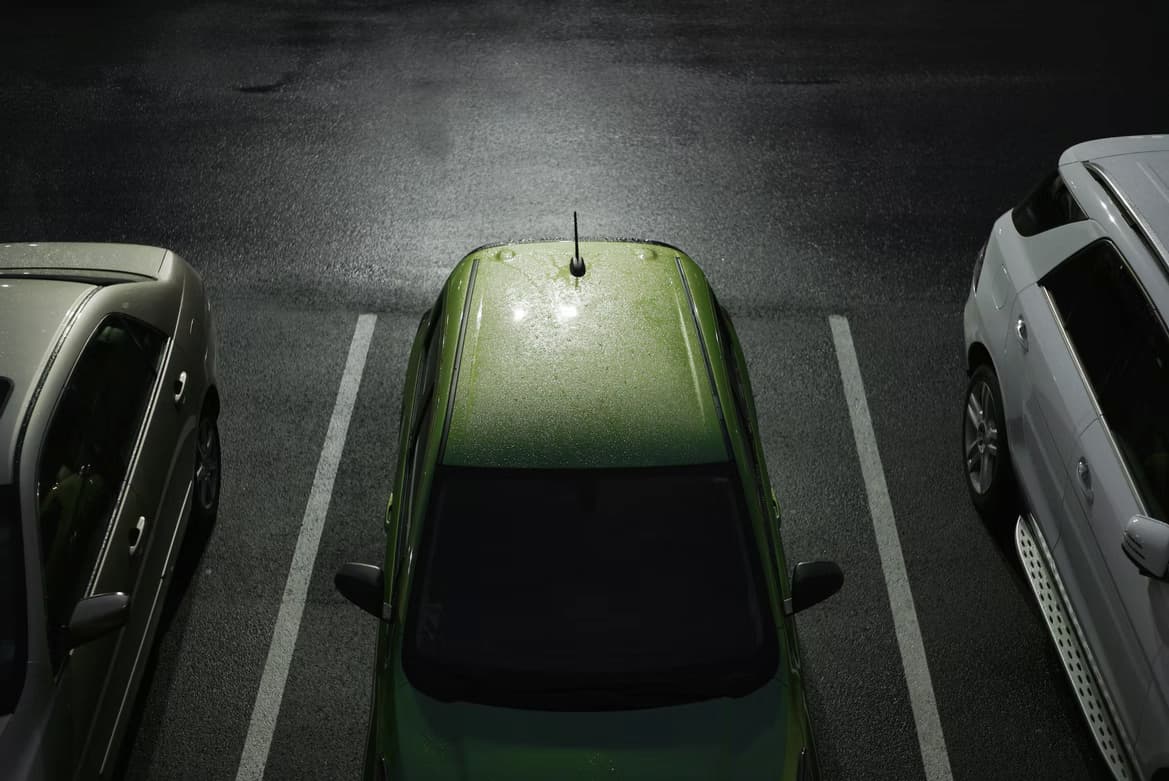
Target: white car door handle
(136, 534)
(1085, 476)
(1021, 333)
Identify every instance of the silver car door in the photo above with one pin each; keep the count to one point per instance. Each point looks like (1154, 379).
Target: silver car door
(84, 506)
(125, 398)
(1051, 406)
(1120, 468)
(158, 486)
(1118, 612)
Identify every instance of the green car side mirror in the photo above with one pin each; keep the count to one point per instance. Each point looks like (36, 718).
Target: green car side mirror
(364, 586)
(812, 582)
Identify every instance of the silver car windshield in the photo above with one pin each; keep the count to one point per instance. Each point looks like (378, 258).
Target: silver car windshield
(13, 620)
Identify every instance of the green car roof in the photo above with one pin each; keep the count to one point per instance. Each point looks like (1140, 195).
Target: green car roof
(603, 370)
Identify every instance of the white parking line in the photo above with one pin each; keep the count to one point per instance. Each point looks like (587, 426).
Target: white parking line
(267, 707)
(917, 674)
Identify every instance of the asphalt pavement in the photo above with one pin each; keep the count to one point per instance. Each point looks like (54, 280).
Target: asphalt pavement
(320, 161)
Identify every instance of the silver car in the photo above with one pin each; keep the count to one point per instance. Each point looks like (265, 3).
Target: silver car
(109, 450)
(1066, 426)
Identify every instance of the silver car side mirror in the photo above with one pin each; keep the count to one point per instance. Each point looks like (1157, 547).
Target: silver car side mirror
(1146, 543)
(96, 616)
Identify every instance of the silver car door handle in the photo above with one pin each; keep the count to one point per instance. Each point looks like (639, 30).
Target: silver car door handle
(180, 387)
(1085, 476)
(1021, 333)
(136, 534)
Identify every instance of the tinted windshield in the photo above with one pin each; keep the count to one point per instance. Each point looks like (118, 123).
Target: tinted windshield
(12, 608)
(589, 589)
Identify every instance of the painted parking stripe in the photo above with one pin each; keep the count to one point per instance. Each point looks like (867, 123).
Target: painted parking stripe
(917, 674)
(267, 707)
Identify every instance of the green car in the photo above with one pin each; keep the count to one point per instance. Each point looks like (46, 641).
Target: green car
(583, 575)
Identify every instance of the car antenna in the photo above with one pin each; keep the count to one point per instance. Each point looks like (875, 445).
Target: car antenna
(577, 264)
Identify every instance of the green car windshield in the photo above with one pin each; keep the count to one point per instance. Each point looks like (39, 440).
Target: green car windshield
(588, 590)
(13, 648)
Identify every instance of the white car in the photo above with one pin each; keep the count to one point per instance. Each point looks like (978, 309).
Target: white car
(1066, 426)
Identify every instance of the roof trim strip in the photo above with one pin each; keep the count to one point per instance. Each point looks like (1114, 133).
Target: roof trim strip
(450, 403)
(1130, 215)
(718, 407)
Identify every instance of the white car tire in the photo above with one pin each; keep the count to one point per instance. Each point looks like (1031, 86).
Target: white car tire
(986, 457)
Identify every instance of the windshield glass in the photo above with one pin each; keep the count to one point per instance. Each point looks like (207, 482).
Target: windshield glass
(12, 608)
(588, 590)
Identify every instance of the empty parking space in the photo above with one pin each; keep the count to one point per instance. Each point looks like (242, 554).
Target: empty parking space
(321, 729)
(279, 371)
(1002, 695)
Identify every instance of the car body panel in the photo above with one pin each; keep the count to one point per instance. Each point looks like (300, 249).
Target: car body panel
(726, 738)
(534, 277)
(1095, 149)
(1117, 605)
(1155, 714)
(66, 256)
(631, 386)
(1045, 403)
(1048, 406)
(1142, 182)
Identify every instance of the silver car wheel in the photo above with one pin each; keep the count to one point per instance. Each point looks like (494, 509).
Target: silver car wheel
(981, 437)
(207, 464)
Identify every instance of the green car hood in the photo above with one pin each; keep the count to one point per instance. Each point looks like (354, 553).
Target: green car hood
(751, 737)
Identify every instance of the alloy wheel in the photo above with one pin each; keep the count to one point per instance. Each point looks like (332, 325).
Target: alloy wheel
(981, 438)
(207, 464)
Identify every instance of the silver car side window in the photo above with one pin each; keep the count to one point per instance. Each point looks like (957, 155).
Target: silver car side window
(1124, 350)
(85, 456)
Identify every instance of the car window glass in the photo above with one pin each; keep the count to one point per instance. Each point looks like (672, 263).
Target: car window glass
(1122, 346)
(1047, 206)
(86, 453)
(588, 589)
(13, 618)
(414, 473)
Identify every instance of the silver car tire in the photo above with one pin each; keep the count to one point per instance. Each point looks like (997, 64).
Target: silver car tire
(986, 457)
(207, 469)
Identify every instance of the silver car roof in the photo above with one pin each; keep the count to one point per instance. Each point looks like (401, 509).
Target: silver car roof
(120, 258)
(32, 314)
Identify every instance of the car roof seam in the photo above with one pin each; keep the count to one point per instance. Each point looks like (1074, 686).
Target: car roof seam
(455, 368)
(718, 407)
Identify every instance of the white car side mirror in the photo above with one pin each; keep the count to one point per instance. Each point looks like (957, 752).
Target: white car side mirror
(1146, 543)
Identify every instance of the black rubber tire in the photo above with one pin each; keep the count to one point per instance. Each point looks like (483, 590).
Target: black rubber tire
(205, 502)
(997, 498)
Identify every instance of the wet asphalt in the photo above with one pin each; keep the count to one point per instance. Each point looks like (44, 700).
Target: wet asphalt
(318, 161)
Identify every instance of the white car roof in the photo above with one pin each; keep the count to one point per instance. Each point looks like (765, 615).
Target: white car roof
(1136, 170)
